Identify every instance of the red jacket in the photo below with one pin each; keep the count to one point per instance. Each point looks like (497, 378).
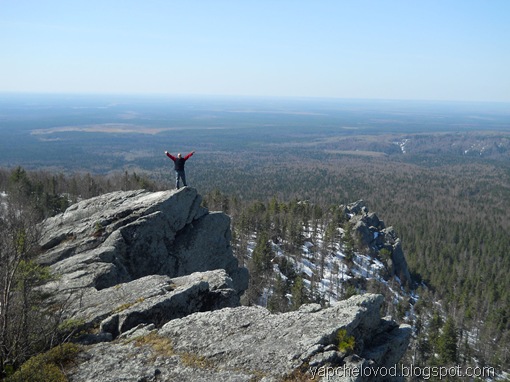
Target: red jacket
(179, 162)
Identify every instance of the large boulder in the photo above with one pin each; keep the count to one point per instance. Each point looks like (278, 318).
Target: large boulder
(148, 300)
(250, 343)
(123, 236)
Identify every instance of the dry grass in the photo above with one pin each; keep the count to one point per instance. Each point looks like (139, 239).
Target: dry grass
(161, 346)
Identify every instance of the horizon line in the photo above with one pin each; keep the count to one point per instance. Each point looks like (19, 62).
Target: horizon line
(241, 96)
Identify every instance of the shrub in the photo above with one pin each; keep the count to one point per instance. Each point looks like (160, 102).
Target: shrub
(345, 343)
(47, 367)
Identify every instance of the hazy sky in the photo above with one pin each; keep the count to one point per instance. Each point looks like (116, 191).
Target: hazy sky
(388, 49)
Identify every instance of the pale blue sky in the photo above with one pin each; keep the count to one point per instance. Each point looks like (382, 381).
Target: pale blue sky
(378, 49)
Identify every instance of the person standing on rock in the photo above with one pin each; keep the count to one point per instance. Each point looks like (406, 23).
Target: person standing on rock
(179, 167)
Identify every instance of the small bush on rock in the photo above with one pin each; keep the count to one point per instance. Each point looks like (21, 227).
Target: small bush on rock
(47, 367)
(345, 343)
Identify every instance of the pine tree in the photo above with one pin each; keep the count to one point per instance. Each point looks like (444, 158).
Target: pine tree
(434, 327)
(262, 253)
(298, 293)
(278, 301)
(260, 267)
(447, 343)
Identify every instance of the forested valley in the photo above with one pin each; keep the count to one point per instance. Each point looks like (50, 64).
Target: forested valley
(452, 218)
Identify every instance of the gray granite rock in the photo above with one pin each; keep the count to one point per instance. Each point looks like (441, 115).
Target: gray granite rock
(154, 275)
(372, 233)
(122, 236)
(248, 343)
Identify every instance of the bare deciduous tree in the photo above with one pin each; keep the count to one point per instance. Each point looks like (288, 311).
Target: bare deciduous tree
(19, 277)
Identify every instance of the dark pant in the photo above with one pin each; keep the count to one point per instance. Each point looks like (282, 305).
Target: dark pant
(179, 174)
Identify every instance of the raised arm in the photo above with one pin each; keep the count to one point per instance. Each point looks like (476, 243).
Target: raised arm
(170, 155)
(190, 154)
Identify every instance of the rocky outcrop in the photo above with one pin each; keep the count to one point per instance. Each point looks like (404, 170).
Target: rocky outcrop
(152, 279)
(132, 257)
(123, 236)
(149, 300)
(249, 343)
(372, 233)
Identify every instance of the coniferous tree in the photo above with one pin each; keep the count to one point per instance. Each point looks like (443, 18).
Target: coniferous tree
(260, 268)
(298, 293)
(447, 343)
(278, 301)
(262, 254)
(435, 325)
